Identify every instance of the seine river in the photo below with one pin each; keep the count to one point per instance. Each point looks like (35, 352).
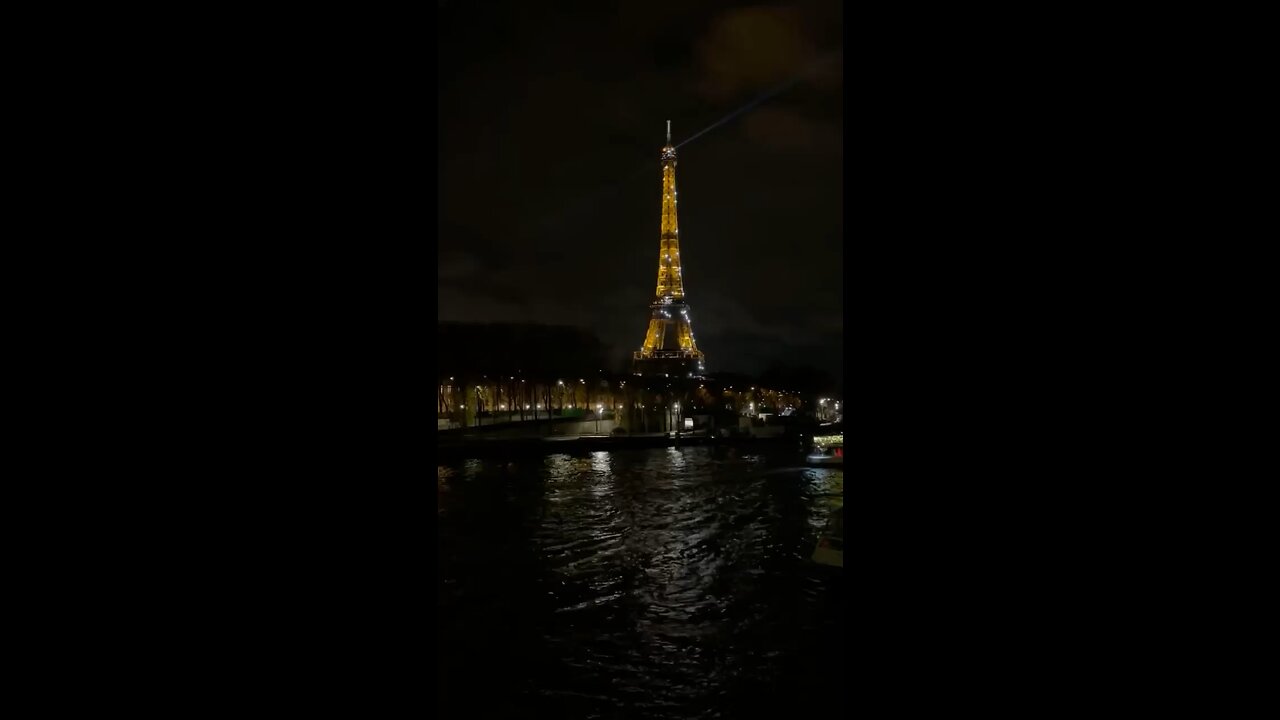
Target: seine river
(647, 583)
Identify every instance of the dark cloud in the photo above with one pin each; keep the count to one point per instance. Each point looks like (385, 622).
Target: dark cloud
(753, 48)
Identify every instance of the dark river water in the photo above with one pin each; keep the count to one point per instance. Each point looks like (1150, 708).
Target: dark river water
(648, 583)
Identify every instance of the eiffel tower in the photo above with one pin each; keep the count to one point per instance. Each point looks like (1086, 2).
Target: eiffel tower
(669, 347)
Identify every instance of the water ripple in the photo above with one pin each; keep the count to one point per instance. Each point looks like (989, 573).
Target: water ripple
(656, 583)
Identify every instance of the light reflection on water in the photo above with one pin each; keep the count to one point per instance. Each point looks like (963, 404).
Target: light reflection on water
(649, 583)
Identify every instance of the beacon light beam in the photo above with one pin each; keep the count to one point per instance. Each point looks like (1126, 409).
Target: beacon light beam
(592, 201)
(766, 96)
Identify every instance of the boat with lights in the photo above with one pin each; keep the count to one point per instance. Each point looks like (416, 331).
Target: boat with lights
(827, 450)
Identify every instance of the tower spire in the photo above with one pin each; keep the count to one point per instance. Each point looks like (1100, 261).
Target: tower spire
(669, 346)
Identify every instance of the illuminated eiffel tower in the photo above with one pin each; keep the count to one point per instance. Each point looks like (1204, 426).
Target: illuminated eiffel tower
(669, 348)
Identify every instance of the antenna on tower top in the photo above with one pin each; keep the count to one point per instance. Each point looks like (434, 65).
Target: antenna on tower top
(668, 132)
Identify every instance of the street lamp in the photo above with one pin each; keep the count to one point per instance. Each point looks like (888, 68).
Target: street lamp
(599, 409)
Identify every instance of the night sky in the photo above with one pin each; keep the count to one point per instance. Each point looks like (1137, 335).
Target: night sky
(550, 185)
